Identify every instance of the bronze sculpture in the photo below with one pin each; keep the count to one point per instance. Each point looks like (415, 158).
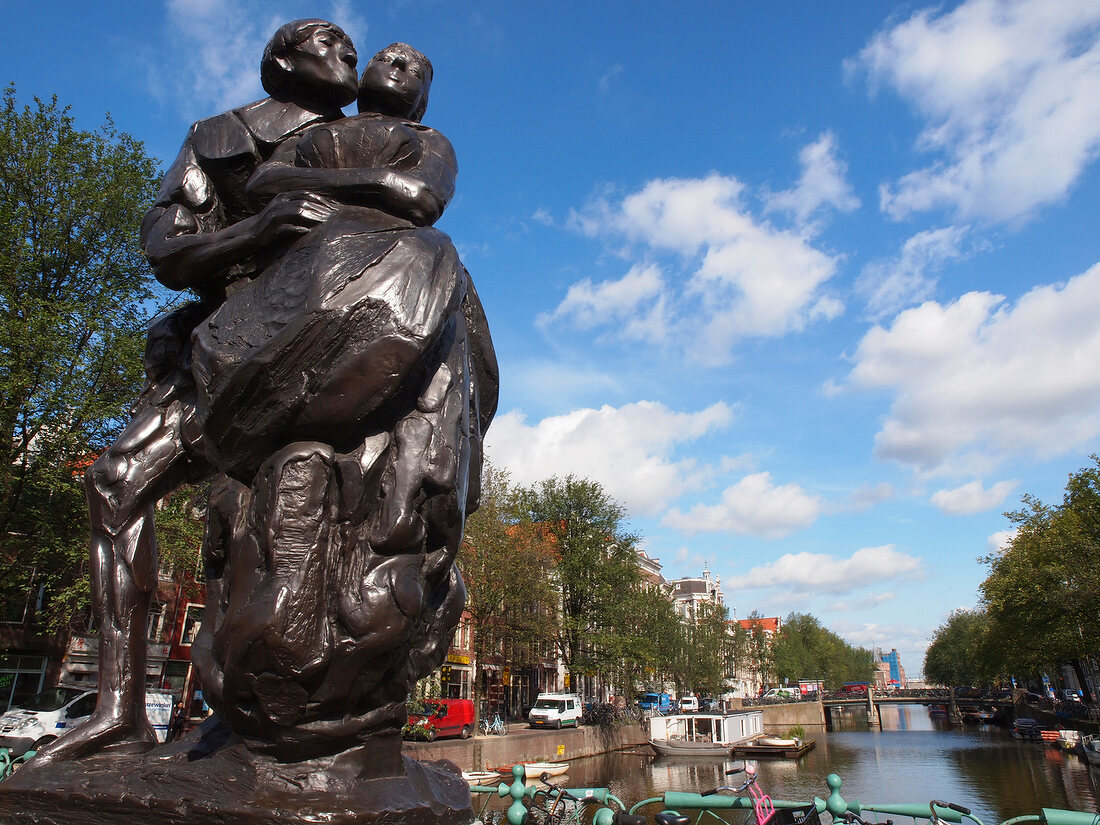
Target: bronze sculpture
(336, 377)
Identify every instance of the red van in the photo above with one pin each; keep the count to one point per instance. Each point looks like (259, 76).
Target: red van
(451, 717)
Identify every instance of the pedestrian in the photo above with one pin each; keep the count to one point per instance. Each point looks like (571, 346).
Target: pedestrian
(175, 726)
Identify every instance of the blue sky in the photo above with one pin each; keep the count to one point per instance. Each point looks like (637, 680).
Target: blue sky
(811, 288)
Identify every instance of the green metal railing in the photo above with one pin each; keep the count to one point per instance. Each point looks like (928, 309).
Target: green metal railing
(709, 804)
(8, 763)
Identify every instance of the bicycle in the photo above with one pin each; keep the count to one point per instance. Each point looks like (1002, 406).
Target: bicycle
(554, 805)
(497, 726)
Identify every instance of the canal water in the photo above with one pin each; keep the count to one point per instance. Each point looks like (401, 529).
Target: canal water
(914, 758)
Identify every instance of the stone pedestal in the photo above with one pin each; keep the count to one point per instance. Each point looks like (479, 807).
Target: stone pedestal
(212, 778)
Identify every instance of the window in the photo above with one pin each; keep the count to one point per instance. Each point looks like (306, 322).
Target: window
(82, 707)
(21, 677)
(156, 622)
(192, 621)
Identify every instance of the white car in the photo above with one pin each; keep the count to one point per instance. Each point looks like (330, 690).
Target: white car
(45, 716)
(689, 704)
(556, 709)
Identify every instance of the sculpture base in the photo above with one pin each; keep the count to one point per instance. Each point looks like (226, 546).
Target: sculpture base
(203, 781)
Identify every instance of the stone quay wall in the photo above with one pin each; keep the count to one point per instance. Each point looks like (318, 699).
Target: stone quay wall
(525, 745)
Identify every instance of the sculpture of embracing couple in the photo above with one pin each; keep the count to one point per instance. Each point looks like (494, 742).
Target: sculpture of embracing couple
(335, 378)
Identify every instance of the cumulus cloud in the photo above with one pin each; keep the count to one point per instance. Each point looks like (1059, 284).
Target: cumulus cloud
(823, 183)
(895, 283)
(745, 277)
(1008, 92)
(822, 573)
(636, 301)
(978, 380)
(753, 506)
(629, 450)
(998, 541)
(972, 497)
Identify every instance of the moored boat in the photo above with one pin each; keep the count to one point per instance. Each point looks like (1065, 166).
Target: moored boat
(703, 734)
(1027, 729)
(481, 777)
(533, 770)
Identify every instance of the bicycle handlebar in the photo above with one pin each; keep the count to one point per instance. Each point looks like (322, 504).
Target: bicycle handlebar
(935, 803)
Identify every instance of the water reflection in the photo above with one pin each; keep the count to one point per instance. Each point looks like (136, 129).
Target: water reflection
(914, 758)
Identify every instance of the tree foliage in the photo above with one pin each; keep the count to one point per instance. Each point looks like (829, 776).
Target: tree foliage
(74, 300)
(597, 569)
(804, 649)
(1042, 593)
(507, 563)
(960, 653)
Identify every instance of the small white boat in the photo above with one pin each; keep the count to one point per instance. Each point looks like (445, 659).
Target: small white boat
(775, 742)
(533, 770)
(1090, 745)
(703, 734)
(1068, 739)
(481, 777)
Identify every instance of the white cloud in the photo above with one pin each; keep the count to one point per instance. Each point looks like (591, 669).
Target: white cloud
(629, 450)
(978, 380)
(750, 278)
(972, 497)
(821, 573)
(823, 183)
(636, 301)
(998, 541)
(753, 506)
(893, 284)
(217, 48)
(1008, 92)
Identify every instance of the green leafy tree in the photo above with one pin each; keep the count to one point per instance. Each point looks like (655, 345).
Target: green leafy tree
(1042, 593)
(75, 296)
(958, 653)
(507, 563)
(597, 569)
(708, 642)
(806, 649)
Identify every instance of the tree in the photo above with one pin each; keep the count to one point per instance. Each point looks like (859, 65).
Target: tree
(597, 570)
(74, 301)
(958, 652)
(507, 563)
(1042, 593)
(805, 649)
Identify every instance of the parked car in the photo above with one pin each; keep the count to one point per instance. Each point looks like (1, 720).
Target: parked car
(555, 710)
(1071, 696)
(655, 702)
(689, 704)
(46, 715)
(447, 717)
(790, 694)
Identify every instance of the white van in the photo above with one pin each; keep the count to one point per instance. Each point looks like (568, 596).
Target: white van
(689, 704)
(556, 709)
(47, 715)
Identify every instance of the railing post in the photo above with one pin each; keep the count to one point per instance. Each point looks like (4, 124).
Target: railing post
(873, 716)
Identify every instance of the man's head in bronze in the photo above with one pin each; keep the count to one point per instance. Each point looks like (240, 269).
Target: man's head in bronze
(396, 82)
(311, 62)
